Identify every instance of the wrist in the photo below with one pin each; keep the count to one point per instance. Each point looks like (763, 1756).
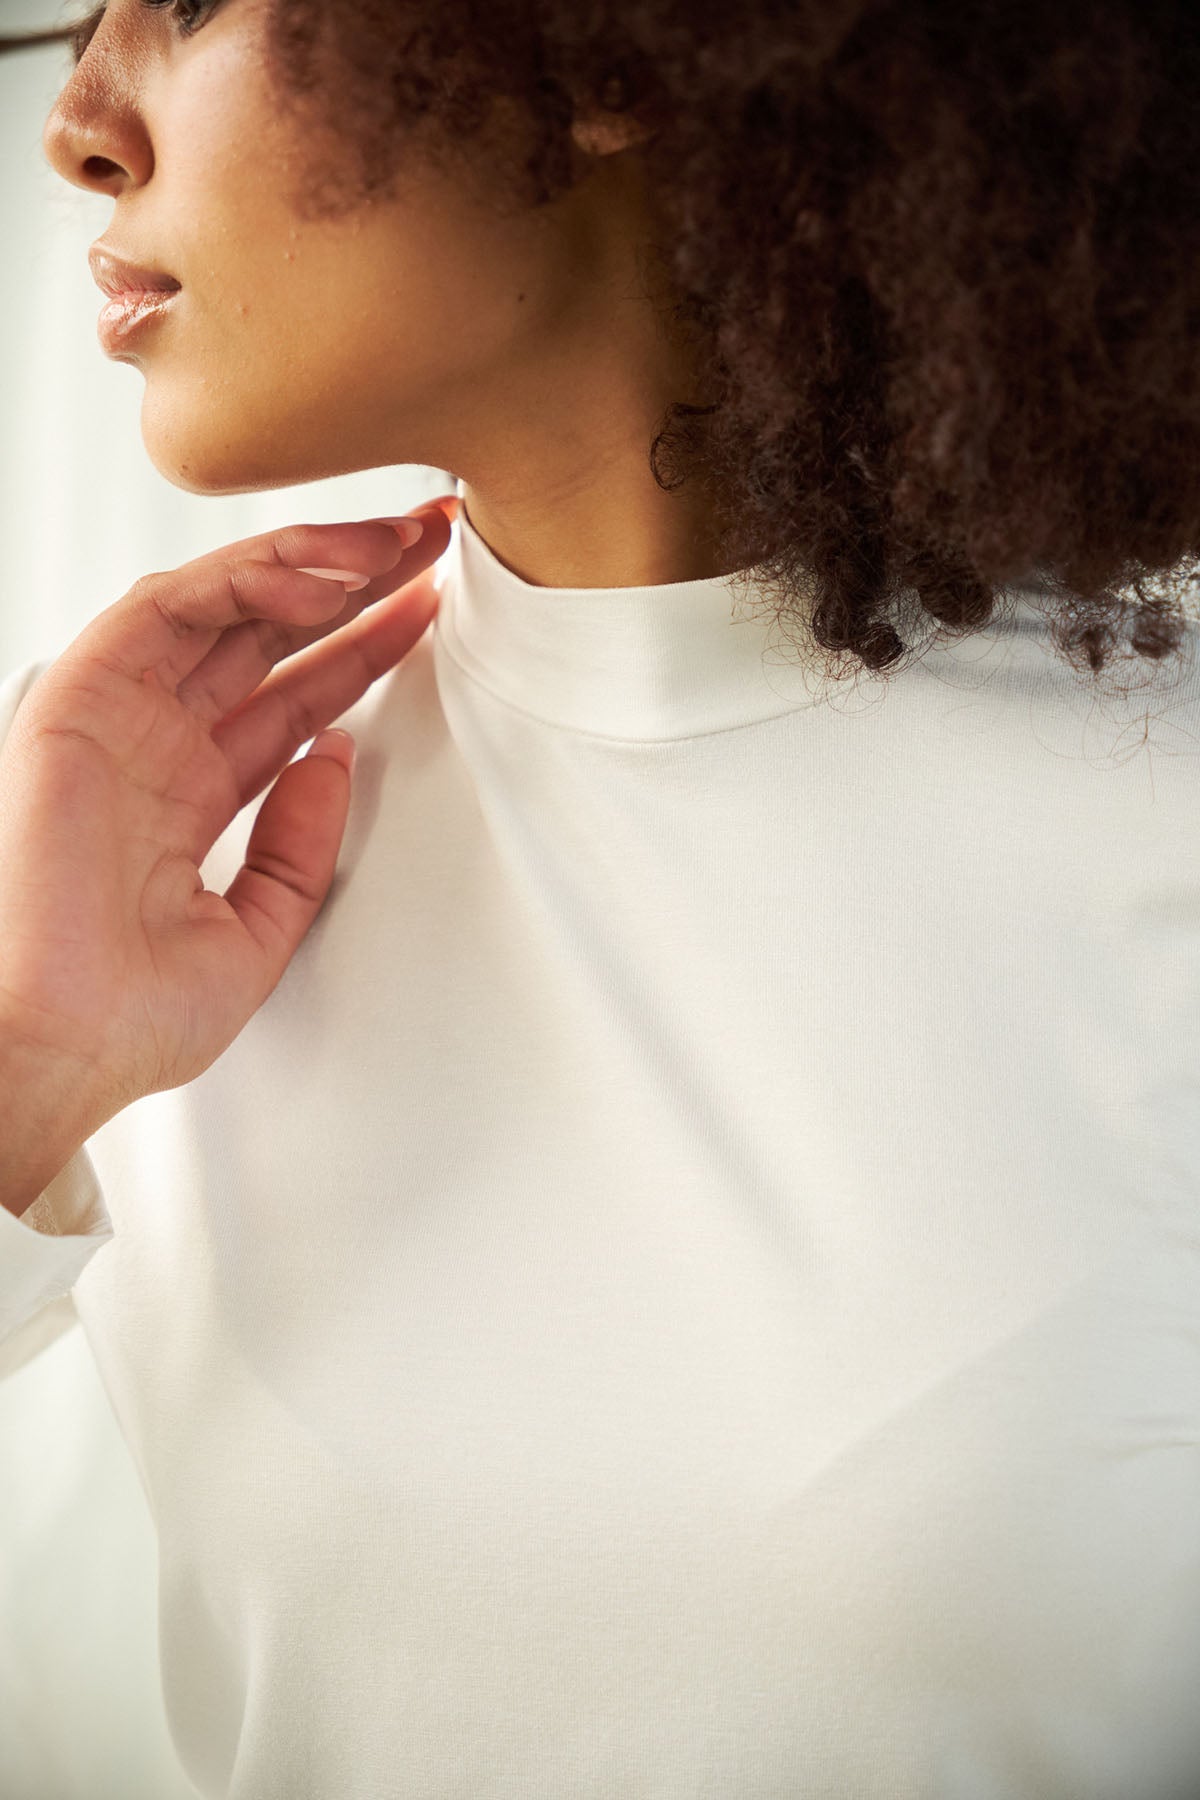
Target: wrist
(45, 1118)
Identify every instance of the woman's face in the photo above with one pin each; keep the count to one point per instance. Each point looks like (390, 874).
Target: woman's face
(420, 329)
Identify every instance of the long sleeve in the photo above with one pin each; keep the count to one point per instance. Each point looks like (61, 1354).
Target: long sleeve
(43, 1253)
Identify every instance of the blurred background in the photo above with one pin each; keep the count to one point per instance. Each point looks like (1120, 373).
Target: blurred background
(83, 513)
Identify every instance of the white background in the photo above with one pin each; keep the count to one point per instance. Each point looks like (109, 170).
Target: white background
(83, 513)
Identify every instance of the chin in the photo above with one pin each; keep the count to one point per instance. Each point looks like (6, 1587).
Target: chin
(218, 484)
(202, 464)
(251, 451)
(216, 481)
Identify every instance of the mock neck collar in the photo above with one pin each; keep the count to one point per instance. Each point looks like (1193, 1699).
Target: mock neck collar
(670, 661)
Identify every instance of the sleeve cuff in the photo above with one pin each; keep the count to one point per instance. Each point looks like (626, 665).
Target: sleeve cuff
(44, 1252)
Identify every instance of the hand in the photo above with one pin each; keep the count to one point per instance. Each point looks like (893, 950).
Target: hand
(131, 755)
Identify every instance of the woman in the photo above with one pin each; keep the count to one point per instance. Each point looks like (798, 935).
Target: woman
(645, 1242)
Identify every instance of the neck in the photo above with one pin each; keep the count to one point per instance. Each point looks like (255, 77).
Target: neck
(554, 457)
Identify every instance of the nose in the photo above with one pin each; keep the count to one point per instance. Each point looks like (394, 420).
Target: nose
(81, 166)
(94, 136)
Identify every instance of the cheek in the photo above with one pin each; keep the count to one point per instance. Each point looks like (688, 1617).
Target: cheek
(271, 387)
(302, 352)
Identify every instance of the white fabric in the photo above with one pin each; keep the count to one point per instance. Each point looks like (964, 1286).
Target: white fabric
(691, 1284)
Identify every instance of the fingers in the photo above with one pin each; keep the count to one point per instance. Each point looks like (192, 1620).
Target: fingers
(168, 622)
(318, 686)
(290, 860)
(242, 655)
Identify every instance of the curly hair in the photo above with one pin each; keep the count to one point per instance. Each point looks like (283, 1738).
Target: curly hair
(940, 261)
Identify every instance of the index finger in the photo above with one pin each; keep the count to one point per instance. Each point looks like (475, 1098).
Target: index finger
(168, 621)
(244, 654)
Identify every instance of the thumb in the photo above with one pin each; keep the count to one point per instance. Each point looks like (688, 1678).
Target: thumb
(292, 851)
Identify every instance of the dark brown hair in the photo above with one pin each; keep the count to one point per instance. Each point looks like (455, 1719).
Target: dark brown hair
(941, 259)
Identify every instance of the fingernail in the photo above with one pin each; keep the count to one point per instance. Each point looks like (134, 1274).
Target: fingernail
(407, 530)
(337, 744)
(351, 577)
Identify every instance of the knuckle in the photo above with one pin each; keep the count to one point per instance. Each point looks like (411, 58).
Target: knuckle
(239, 578)
(294, 545)
(165, 595)
(180, 599)
(170, 611)
(284, 874)
(301, 717)
(144, 587)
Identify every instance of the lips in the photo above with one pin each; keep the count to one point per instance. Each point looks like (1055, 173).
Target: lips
(115, 277)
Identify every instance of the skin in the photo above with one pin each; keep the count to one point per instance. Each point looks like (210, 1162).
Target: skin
(520, 353)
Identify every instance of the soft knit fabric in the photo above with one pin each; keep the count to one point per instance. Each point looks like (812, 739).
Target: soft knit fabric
(690, 1287)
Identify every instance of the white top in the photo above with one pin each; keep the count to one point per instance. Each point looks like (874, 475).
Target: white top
(691, 1284)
